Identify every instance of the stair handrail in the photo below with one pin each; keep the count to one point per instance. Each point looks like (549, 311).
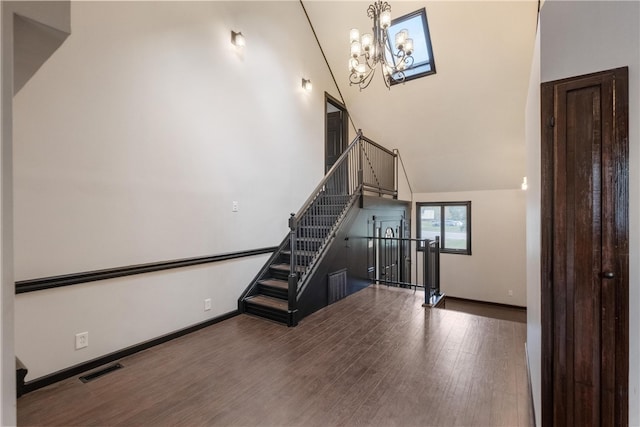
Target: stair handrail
(336, 171)
(307, 204)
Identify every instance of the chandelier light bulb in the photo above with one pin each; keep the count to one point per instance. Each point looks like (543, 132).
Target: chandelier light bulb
(524, 185)
(356, 49)
(401, 37)
(385, 19)
(408, 46)
(401, 65)
(354, 35)
(361, 69)
(353, 63)
(367, 39)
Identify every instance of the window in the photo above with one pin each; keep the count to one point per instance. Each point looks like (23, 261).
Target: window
(451, 221)
(416, 24)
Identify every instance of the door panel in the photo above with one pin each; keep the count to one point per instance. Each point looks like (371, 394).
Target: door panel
(334, 141)
(584, 260)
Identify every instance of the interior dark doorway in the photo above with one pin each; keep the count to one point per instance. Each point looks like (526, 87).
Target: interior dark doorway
(336, 130)
(585, 250)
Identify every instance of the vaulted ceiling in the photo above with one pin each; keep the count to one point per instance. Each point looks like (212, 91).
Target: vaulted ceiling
(461, 129)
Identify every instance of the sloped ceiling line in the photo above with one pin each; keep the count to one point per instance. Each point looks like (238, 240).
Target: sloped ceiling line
(328, 66)
(461, 129)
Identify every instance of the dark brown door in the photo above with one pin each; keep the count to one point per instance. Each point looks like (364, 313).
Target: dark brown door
(585, 274)
(335, 142)
(336, 131)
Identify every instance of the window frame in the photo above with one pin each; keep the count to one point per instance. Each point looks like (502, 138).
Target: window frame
(425, 24)
(443, 205)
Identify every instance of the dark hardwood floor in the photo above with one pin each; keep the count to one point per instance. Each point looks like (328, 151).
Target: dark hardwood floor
(486, 309)
(375, 358)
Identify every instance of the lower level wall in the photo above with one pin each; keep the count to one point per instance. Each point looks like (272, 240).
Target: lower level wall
(122, 312)
(498, 246)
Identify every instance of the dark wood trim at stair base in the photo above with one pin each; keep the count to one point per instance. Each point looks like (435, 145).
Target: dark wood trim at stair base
(495, 304)
(112, 273)
(63, 374)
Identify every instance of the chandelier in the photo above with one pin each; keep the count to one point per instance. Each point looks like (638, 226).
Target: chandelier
(371, 50)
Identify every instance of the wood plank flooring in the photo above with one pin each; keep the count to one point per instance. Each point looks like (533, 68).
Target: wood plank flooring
(376, 358)
(485, 309)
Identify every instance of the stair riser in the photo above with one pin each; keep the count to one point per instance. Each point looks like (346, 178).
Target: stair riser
(273, 292)
(279, 274)
(259, 310)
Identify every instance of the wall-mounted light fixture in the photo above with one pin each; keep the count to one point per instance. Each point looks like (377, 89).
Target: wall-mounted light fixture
(524, 185)
(306, 85)
(237, 39)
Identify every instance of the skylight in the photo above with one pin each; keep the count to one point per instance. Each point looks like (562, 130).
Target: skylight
(416, 24)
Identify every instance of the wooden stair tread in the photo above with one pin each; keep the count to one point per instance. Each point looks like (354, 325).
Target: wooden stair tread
(275, 283)
(276, 303)
(286, 267)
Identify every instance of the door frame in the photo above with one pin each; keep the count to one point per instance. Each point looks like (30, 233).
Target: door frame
(619, 161)
(328, 99)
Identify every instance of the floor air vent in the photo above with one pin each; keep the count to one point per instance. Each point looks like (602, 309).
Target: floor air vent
(337, 285)
(97, 374)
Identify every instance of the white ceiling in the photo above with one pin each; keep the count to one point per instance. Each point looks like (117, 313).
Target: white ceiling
(461, 129)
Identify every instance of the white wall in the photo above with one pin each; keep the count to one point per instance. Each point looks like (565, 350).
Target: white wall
(122, 312)
(532, 136)
(580, 37)
(497, 263)
(131, 143)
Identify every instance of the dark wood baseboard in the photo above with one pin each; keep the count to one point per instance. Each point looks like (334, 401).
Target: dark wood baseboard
(63, 374)
(495, 304)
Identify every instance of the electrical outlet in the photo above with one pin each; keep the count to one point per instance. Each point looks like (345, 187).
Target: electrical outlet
(234, 206)
(207, 304)
(82, 340)
(510, 293)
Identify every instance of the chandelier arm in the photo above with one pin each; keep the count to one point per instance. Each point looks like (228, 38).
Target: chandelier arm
(368, 79)
(393, 62)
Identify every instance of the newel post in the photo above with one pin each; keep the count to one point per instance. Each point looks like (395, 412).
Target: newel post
(293, 276)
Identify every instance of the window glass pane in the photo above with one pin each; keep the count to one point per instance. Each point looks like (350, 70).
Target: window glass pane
(418, 69)
(455, 223)
(429, 222)
(451, 221)
(416, 25)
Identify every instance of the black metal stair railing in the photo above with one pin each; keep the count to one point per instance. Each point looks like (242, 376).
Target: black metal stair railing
(379, 172)
(364, 166)
(388, 256)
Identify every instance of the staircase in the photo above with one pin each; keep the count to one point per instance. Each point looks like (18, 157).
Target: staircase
(276, 290)
(271, 299)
